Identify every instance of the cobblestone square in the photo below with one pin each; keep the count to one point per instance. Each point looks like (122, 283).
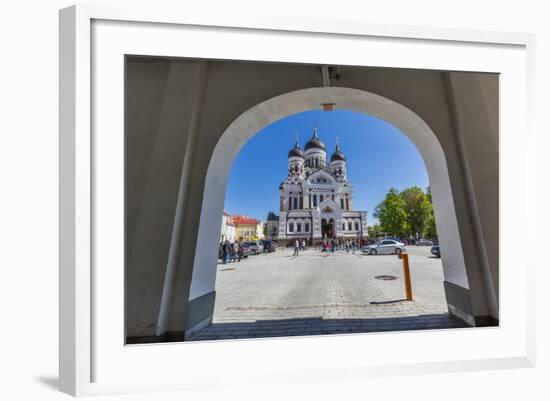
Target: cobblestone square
(277, 294)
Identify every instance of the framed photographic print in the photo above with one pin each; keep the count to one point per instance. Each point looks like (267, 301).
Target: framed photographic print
(255, 201)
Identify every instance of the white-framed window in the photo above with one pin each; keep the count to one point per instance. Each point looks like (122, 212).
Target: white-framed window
(356, 226)
(291, 227)
(299, 227)
(349, 226)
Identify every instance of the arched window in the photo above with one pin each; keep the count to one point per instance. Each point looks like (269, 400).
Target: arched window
(356, 226)
(306, 227)
(314, 200)
(298, 227)
(290, 227)
(341, 203)
(295, 203)
(343, 226)
(349, 226)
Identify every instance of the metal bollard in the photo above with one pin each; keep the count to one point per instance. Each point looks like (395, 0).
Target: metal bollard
(407, 274)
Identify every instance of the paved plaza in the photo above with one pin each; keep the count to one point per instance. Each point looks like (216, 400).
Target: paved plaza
(277, 294)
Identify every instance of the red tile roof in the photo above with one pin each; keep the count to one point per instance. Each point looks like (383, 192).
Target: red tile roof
(244, 220)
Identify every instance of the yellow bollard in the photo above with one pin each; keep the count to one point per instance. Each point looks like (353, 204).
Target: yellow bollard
(407, 274)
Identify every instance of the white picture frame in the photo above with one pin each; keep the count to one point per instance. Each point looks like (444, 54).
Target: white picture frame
(83, 353)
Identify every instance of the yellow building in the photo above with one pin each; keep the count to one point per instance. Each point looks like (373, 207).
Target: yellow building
(247, 228)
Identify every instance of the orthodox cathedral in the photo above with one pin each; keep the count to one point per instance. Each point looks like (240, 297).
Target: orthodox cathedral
(316, 198)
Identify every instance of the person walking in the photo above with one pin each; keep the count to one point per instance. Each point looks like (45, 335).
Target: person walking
(296, 247)
(236, 252)
(303, 244)
(240, 252)
(225, 250)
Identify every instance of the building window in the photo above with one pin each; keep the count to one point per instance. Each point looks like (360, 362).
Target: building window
(291, 227)
(349, 226)
(307, 227)
(344, 227)
(321, 197)
(314, 200)
(341, 203)
(295, 203)
(298, 227)
(356, 226)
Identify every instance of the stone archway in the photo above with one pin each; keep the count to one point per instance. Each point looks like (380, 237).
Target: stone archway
(253, 120)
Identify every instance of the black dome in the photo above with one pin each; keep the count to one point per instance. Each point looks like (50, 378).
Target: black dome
(337, 155)
(296, 151)
(315, 142)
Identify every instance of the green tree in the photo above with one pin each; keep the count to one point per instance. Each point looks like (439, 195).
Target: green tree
(392, 214)
(430, 230)
(418, 208)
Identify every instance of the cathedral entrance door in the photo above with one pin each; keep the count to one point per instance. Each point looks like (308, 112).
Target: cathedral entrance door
(327, 228)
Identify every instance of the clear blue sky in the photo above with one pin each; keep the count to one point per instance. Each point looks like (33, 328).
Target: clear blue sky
(378, 155)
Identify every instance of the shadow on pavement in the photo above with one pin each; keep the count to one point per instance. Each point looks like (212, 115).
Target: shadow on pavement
(319, 326)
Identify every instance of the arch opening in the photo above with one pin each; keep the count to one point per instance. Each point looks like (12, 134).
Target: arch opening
(256, 118)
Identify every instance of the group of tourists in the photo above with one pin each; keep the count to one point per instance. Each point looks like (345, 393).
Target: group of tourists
(332, 244)
(299, 246)
(231, 252)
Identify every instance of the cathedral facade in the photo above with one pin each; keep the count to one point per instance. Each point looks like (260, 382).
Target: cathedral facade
(316, 198)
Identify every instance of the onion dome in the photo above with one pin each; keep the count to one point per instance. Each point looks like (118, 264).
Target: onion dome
(337, 155)
(315, 142)
(296, 151)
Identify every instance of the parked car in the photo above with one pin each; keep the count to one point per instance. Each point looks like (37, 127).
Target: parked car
(385, 247)
(424, 242)
(245, 251)
(255, 247)
(435, 251)
(269, 246)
